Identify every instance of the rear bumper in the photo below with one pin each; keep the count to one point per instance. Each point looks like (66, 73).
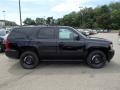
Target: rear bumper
(12, 54)
(110, 54)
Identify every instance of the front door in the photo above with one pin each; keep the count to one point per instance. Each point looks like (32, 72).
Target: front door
(70, 45)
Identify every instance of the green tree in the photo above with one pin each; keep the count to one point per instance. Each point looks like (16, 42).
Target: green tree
(70, 20)
(104, 21)
(87, 18)
(115, 6)
(9, 23)
(40, 21)
(103, 17)
(50, 21)
(115, 16)
(29, 21)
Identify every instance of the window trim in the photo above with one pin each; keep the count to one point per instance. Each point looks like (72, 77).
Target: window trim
(69, 30)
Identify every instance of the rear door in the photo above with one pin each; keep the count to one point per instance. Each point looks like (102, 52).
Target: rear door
(47, 42)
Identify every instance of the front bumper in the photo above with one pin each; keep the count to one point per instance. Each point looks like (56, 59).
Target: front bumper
(12, 53)
(110, 54)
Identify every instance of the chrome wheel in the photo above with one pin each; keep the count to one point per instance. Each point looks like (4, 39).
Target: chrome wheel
(97, 59)
(29, 60)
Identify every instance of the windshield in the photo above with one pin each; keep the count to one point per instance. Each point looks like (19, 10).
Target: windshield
(2, 33)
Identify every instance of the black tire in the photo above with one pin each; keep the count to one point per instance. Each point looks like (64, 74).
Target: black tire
(29, 60)
(96, 59)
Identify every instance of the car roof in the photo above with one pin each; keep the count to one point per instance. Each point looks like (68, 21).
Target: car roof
(41, 27)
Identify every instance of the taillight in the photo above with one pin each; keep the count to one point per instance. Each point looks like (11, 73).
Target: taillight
(7, 44)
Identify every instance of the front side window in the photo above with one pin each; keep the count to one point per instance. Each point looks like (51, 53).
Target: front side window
(66, 34)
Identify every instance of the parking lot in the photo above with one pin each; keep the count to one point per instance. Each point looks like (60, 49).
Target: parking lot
(63, 76)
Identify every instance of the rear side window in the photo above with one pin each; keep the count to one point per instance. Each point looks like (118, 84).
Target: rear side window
(17, 34)
(46, 33)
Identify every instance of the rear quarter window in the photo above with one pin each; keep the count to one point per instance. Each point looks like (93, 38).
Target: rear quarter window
(22, 33)
(17, 34)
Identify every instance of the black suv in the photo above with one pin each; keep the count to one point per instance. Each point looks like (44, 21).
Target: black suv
(34, 44)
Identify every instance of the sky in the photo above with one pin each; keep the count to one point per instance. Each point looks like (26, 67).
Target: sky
(44, 8)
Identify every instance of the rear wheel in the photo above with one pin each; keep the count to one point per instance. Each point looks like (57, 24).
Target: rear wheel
(96, 59)
(29, 60)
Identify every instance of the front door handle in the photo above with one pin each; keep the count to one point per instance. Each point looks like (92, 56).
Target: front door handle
(61, 44)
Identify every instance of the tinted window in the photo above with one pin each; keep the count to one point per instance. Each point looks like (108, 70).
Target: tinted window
(17, 34)
(21, 33)
(67, 34)
(46, 33)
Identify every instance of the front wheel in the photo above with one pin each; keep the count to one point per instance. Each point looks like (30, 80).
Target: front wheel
(96, 59)
(29, 60)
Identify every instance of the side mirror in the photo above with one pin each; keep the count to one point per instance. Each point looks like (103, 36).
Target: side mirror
(77, 38)
(74, 36)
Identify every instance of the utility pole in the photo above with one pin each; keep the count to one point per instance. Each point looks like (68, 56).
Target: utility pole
(4, 14)
(20, 13)
(4, 17)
